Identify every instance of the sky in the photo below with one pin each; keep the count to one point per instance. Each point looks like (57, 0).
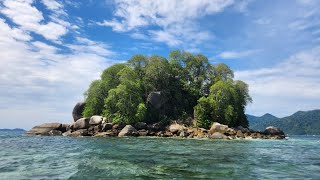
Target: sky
(50, 50)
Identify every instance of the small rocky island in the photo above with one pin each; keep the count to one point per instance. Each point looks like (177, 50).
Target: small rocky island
(97, 126)
(182, 96)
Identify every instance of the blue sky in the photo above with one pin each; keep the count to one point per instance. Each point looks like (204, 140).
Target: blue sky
(51, 50)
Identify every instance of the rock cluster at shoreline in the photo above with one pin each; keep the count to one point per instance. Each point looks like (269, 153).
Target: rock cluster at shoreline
(97, 127)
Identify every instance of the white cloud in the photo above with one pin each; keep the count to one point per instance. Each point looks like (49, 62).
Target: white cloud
(174, 20)
(29, 18)
(41, 81)
(287, 87)
(237, 54)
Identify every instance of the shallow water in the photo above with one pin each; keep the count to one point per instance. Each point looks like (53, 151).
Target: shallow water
(23, 157)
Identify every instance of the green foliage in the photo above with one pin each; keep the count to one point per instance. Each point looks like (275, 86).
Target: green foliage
(224, 105)
(124, 103)
(190, 85)
(98, 90)
(203, 112)
(94, 99)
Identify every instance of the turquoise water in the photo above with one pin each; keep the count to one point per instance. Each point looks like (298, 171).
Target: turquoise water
(24, 157)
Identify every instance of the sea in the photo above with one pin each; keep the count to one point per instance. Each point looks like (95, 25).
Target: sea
(36, 157)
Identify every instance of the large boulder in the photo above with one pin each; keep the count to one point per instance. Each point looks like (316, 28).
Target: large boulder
(96, 120)
(273, 131)
(217, 135)
(128, 130)
(174, 128)
(78, 110)
(47, 129)
(157, 99)
(106, 126)
(140, 125)
(217, 127)
(82, 123)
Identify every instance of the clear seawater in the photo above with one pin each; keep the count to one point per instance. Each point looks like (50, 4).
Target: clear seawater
(23, 157)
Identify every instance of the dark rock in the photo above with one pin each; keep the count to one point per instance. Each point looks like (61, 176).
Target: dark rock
(65, 128)
(140, 125)
(157, 99)
(95, 120)
(78, 110)
(119, 126)
(106, 126)
(44, 129)
(128, 130)
(155, 127)
(82, 123)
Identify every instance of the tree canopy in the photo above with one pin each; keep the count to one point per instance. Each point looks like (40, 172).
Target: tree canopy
(153, 88)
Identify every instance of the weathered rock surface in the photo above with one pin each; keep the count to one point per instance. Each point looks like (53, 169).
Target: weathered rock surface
(82, 123)
(156, 99)
(240, 134)
(273, 131)
(47, 129)
(218, 135)
(78, 110)
(128, 130)
(174, 128)
(217, 127)
(95, 120)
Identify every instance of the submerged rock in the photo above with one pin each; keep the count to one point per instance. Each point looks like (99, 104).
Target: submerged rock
(78, 110)
(128, 130)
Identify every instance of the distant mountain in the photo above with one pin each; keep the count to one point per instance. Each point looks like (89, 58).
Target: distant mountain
(16, 129)
(299, 123)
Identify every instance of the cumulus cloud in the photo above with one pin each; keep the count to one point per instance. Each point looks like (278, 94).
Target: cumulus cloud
(289, 86)
(29, 18)
(174, 21)
(40, 81)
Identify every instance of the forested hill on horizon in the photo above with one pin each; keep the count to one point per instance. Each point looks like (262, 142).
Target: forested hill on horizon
(299, 123)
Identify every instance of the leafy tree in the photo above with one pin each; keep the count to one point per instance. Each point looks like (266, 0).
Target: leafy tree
(226, 102)
(98, 90)
(94, 99)
(194, 87)
(124, 103)
(222, 72)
